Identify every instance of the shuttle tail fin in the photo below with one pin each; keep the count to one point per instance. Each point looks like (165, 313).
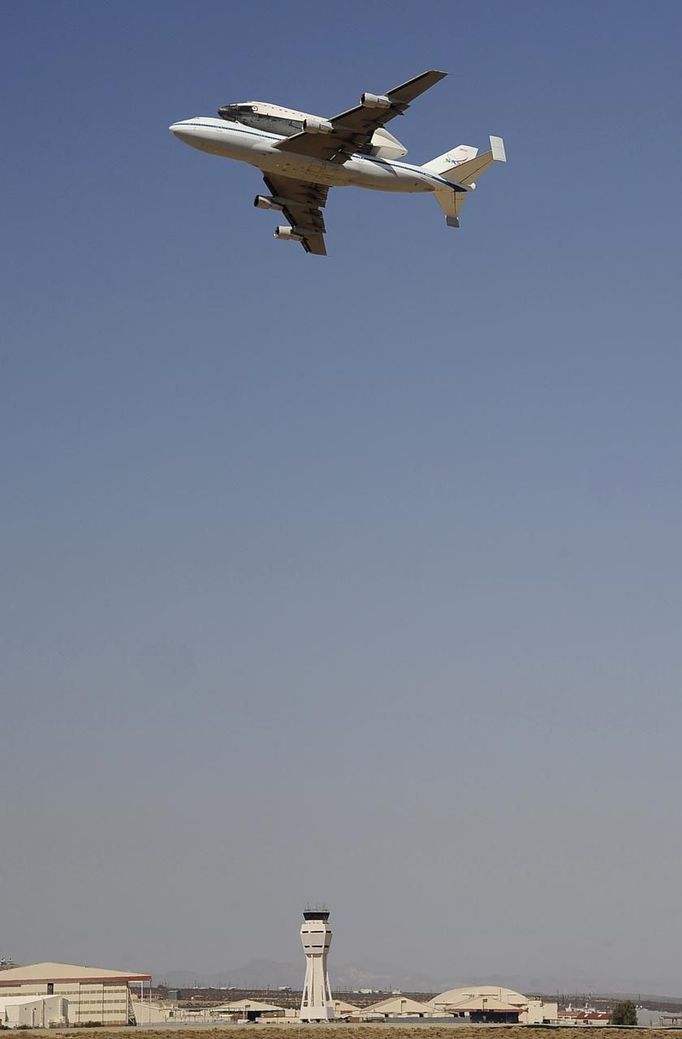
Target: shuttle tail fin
(448, 160)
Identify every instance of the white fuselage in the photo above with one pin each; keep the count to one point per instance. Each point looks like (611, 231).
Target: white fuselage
(232, 140)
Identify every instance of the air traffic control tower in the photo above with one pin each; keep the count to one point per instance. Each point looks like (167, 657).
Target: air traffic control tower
(316, 935)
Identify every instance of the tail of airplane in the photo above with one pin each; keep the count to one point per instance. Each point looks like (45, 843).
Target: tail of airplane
(449, 160)
(461, 166)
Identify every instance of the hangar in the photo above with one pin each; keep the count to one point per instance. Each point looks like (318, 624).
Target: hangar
(397, 1006)
(93, 994)
(495, 1003)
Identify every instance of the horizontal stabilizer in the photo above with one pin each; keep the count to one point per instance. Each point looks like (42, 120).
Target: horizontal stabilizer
(467, 172)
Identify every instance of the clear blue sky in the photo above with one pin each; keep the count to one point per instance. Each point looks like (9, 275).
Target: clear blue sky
(360, 578)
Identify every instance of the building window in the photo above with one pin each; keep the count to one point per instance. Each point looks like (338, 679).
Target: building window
(50, 988)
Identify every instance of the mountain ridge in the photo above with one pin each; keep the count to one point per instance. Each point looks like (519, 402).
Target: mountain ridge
(266, 974)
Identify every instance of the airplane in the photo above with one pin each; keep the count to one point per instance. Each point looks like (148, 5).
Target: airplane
(302, 156)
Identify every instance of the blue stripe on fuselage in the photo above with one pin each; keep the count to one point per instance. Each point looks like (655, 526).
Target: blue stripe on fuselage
(240, 128)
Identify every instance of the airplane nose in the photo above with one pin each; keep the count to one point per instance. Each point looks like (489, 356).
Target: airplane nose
(184, 131)
(183, 126)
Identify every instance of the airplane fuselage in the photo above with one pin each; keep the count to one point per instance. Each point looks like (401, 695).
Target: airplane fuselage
(232, 140)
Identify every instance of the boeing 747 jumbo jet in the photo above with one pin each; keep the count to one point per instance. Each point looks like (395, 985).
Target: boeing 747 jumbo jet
(302, 156)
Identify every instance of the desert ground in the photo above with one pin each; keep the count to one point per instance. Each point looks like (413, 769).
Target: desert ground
(379, 1030)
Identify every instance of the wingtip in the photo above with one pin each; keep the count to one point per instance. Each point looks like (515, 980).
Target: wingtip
(498, 150)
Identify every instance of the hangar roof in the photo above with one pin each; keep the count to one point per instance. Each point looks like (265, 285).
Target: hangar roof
(398, 1005)
(454, 996)
(492, 1003)
(342, 1007)
(245, 1004)
(65, 972)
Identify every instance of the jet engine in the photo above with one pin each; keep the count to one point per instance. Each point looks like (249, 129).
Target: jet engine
(287, 234)
(313, 124)
(375, 101)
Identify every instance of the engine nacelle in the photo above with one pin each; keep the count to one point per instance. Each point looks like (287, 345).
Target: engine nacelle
(375, 101)
(313, 124)
(287, 234)
(267, 202)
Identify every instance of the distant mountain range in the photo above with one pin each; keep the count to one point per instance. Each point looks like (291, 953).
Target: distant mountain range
(274, 974)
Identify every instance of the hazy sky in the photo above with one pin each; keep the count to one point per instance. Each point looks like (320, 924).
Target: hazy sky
(354, 579)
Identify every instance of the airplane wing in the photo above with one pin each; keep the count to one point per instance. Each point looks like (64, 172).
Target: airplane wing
(302, 206)
(352, 130)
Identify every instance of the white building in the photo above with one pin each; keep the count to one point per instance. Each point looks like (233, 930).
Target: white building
(33, 1011)
(93, 994)
(493, 1002)
(156, 1013)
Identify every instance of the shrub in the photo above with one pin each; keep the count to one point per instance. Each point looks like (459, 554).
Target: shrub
(624, 1013)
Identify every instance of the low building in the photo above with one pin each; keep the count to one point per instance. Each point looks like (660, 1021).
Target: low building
(540, 1012)
(33, 1011)
(583, 1016)
(397, 1006)
(152, 1013)
(247, 1010)
(93, 994)
(343, 1010)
